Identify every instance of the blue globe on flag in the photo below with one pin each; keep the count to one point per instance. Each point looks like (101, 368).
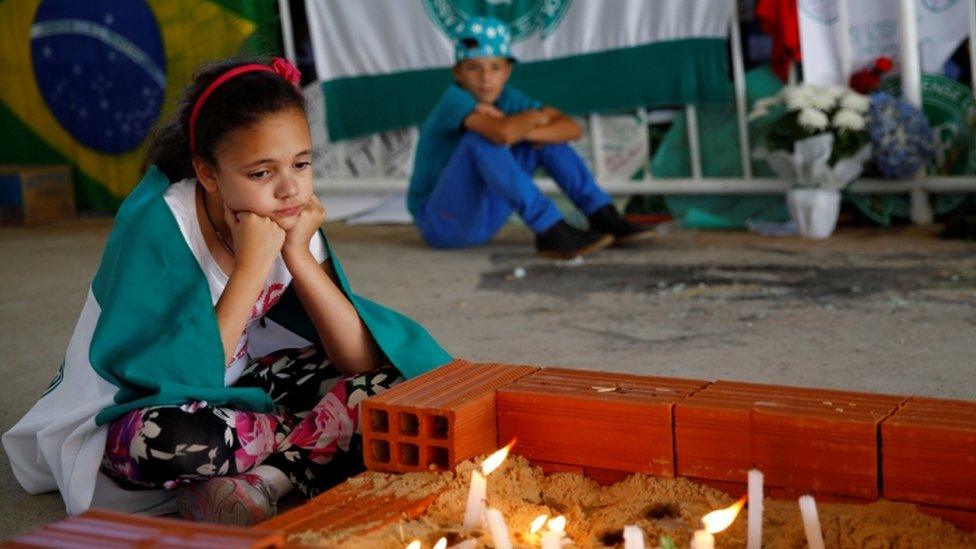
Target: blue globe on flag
(101, 69)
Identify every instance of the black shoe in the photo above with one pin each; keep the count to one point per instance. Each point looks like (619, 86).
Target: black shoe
(608, 220)
(563, 241)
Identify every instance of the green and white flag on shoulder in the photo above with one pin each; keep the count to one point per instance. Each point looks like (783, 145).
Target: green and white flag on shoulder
(384, 63)
(148, 336)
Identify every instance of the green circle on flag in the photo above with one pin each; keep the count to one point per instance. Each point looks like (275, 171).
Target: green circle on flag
(936, 6)
(951, 111)
(523, 17)
(823, 11)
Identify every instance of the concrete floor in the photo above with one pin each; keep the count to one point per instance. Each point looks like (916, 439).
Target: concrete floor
(870, 310)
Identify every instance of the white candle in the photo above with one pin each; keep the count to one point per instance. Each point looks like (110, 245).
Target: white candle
(474, 513)
(498, 529)
(538, 523)
(557, 524)
(702, 540)
(633, 537)
(811, 522)
(755, 509)
(552, 540)
(441, 544)
(476, 500)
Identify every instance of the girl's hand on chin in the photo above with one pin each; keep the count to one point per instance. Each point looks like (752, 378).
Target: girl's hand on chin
(309, 220)
(257, 239)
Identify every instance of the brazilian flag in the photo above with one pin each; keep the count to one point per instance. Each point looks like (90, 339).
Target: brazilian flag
(85, 82)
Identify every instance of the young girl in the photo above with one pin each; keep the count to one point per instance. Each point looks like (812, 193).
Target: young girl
(220, 355)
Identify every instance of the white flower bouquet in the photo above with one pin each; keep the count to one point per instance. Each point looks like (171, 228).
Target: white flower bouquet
(817, 137)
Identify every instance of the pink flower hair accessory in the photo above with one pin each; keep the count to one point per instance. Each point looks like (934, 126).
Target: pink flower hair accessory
(279, 66)
(286, 70)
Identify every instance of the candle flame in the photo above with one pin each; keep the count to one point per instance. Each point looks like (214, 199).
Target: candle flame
(441, 544)
(716, 521)
(538, 523)
(493, 461)
(415, 544)
(557, 524)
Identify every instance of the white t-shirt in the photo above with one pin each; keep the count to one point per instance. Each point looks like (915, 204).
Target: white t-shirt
(181, 198)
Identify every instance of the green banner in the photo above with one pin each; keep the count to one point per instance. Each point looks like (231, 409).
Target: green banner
(685, 71)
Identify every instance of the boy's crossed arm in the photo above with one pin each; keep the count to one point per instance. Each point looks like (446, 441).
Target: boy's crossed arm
(546, 125)
(559, 129)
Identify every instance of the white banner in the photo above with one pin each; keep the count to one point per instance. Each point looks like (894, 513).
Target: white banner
(874, 32)
(368, 37)
(371, 37)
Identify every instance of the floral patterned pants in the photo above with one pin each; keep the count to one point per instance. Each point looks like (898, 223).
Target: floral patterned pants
(312, 436)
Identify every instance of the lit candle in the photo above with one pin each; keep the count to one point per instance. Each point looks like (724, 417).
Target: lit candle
(415, 544)
(715, 522)
(537, 523)
(476, 499)
(633, 537)
(553, 538)
(498, 529)
(441, 544)
(755, 509)
(702, 540)
(811, 522)
(474, 511)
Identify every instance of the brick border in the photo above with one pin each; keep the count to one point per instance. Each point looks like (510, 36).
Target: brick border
(839, 445)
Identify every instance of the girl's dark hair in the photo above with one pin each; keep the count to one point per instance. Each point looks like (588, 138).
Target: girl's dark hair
(238, 102)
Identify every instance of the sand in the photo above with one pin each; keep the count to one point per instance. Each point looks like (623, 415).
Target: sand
(597, 514)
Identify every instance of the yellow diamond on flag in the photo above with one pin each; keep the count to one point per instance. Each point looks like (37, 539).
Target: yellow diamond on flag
(84, 83)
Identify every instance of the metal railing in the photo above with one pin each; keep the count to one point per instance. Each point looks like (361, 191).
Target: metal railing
(918, 188)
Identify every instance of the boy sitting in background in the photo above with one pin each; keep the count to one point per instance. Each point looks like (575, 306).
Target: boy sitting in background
(479, 148)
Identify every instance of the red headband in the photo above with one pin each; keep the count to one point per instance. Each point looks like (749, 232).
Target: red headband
(281, 67)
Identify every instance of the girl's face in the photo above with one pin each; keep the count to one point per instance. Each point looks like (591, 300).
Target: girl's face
(266, 168)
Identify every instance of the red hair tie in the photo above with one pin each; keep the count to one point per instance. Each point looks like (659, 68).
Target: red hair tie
(279, 66)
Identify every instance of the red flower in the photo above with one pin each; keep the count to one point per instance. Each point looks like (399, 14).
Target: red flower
(286, 70)
(882, 64)
(865, 81)
(257, 434)
(328, 427)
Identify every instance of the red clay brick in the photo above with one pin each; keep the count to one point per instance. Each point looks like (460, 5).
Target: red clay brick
(929, 453)
(734, 489)
(97, 528)
(355, 508)
(598, 420)
(962, 518)
(549, 467)
(605, 477)
(823, 441)
(810, 451)
(436, 420)
(792, 494)
(712, 439)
